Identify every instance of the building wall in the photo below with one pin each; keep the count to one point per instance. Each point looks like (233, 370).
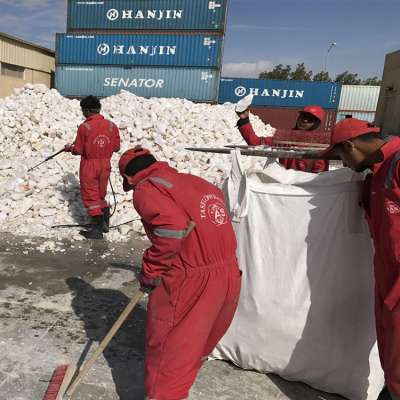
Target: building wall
(37, 64)
(8, 84)
(13, 52)
(388, 115)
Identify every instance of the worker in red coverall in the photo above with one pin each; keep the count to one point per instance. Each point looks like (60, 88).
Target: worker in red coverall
(96, 141)
(310, 119)
(191, 265)
(360, 146)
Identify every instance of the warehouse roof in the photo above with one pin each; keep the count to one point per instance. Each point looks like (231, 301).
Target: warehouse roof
(26, 43)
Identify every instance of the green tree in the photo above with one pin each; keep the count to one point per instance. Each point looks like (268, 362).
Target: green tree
(301, 73)
(375, 81)
(348, 78)
(322, 77)
(278, 72)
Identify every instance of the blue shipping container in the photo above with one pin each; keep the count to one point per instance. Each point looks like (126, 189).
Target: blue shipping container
(153, 50)
(190, 83)
(147, 14)
(276, 93)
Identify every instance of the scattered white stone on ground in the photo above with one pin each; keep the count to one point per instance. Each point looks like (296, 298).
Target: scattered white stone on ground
(36, 122)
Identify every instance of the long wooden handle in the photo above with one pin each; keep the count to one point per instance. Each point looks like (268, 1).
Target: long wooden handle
(88, 365)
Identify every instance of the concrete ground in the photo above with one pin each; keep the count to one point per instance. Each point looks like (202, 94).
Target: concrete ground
(56, 307)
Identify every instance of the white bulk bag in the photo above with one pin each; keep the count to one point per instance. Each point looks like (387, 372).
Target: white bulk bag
(306, 309)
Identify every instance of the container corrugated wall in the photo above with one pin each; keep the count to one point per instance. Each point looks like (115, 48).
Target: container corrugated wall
(190, 83)
(359, 98)
(359, 101)
(364, 115)
(285, 118)
(279, 93)
(152, 50)
(147, 15)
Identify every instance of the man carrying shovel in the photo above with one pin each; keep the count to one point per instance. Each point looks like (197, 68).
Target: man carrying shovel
(96, 141)
(191, 268)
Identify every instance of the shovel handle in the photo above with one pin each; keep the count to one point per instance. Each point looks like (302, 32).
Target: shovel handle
(88, 365)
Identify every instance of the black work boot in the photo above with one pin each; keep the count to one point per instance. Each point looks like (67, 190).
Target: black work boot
(106, 221)
(96, 229)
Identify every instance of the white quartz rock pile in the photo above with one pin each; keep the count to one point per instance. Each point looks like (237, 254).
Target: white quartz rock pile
(36, 122)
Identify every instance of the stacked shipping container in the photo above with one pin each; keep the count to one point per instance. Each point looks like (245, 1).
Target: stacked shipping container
(359, 101)
(153, 48)
(278, 102)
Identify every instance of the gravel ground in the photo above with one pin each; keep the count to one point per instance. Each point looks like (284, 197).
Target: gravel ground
(56, 307)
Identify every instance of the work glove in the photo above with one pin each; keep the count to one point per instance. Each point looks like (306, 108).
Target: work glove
(244, 104)
(147, 285)
(68, 148)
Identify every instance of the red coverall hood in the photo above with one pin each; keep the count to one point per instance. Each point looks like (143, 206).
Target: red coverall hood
(149, 171)
(126, 158)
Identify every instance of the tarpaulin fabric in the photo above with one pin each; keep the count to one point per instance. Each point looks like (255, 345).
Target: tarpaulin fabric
(306, 308)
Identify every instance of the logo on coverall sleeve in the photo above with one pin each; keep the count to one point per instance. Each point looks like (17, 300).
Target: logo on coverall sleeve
(213, 209)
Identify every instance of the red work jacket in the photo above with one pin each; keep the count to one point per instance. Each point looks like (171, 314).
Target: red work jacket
(252, 139)
(168, 201)
(384, 222)
(97, 138)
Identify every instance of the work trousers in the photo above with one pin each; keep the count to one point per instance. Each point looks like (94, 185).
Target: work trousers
(94, 175)
(184, 324)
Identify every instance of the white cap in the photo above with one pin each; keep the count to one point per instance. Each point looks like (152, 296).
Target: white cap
(244, 104)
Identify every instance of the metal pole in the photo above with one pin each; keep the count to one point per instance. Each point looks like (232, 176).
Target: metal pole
(331, 46)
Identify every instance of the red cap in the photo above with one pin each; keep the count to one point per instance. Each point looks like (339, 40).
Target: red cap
(316, 111)
(126, 158)
(348, 129)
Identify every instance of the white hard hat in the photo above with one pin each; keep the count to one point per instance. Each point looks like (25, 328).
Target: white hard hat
(244, 104)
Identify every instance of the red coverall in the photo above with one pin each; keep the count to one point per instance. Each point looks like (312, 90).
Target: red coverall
(193, 307)
(384, 221)
(96, 141)
(252, 139)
